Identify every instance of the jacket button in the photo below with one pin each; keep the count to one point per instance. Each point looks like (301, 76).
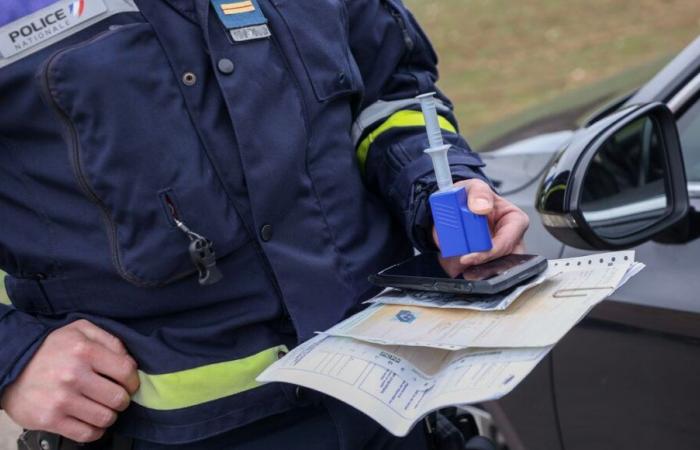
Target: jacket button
(266, 232)
(189, 79)
(225, 66)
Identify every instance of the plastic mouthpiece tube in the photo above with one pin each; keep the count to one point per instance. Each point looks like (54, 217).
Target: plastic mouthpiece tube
(432, 126)
(459, 230)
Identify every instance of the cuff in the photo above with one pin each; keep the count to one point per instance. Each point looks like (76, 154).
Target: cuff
(419, 217)
(21, 335)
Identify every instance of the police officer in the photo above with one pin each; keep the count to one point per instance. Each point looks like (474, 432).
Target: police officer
(188, 188)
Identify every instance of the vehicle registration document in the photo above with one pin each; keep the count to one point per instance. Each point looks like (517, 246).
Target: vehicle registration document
(396, 363)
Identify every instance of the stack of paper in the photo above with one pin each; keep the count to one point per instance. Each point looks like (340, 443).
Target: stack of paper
(411, 353)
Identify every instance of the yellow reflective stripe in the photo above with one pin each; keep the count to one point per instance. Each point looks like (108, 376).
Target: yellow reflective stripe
(205, 383)
(404, 118)
(4, 299)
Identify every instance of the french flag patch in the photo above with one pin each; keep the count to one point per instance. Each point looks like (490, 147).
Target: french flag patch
(77, 8)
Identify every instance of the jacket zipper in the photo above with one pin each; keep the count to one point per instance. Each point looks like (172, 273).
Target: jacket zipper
(74, 147)
(200, 249)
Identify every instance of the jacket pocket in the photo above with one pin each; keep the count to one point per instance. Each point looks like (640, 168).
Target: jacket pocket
(319, 30)
(137, 156)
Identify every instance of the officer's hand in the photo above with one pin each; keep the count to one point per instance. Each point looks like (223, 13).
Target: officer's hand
(75, 384)
(507, 223)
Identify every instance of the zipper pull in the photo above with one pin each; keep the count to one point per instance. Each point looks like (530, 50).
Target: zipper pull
(202, 254)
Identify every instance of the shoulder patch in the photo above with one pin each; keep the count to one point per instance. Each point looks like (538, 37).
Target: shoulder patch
(48, 22)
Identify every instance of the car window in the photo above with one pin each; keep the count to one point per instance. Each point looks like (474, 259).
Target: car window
(689, 129)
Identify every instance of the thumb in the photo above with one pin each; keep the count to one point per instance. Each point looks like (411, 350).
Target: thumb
(480, 197)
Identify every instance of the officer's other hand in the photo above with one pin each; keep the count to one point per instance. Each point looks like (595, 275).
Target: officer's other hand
(507, 223)
(75, 384)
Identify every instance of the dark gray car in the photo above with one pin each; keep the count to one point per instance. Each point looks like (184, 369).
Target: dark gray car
(628, 376)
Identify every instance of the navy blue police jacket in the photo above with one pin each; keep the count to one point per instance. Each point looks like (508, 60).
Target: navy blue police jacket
(298, 155)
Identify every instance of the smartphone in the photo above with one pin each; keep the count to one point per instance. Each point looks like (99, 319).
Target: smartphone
(425, 273)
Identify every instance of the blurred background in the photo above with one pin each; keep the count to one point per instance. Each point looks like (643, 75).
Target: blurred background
(507, 63)
(510, 64)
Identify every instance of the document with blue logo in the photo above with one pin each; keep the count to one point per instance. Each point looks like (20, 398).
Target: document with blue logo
(398, 362)
(539, 317)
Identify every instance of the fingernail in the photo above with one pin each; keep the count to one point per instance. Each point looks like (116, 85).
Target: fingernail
(481, 203)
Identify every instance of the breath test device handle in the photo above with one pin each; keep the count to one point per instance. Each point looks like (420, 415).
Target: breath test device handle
(459, 230)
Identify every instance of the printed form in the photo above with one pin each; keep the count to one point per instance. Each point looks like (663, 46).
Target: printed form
(540, 317)
(497, 302)
(396, 385)
(396, 363)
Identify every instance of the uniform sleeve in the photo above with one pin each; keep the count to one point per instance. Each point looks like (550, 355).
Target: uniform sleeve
(397, 62)
(21, 335)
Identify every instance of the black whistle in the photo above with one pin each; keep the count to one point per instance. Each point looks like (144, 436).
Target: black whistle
(204, 258)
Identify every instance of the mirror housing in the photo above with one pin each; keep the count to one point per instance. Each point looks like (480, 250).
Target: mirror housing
(559, 197)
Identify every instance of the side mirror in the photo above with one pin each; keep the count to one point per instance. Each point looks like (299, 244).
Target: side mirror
(618, 183)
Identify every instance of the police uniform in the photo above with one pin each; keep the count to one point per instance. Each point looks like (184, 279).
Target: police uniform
(151, 147)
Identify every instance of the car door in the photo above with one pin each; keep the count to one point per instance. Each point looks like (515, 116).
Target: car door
(628, 376)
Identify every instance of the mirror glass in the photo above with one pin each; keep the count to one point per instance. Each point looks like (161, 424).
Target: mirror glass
(624, 189)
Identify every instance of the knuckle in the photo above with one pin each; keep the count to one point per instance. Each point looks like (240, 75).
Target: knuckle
(79, 324)
(525, 218)
(61, 401)
(91, 435)
(118, 344)
(106, 418)
(68, 377)
(128, 365)
(48, 419)
(81, 349)
(120, 401)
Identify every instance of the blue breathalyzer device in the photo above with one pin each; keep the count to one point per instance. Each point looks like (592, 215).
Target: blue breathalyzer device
(459, 230)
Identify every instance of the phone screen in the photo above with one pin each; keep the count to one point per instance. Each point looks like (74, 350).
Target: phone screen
(428, 265)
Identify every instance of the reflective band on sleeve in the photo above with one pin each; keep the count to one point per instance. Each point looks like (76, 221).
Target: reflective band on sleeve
(381, 110)
(203, 384)
(406, 118)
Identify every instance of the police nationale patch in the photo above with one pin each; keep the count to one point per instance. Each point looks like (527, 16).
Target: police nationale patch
(46, 23)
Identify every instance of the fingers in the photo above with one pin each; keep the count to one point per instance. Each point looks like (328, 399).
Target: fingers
(118, 367)
(91, 413)
(80, 378)
(507, 239)
(480, 200)
(106, 355)
(76, 430)
(97, 334)
(451, 266)
(509, 225)
(480, 197)
(105, 392)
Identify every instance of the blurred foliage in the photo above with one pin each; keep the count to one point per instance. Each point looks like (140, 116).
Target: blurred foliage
(502, 57)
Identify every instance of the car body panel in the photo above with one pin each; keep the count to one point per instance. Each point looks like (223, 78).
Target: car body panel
(619, 387)
(671, 279)
(626, 377)
(514, 167)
